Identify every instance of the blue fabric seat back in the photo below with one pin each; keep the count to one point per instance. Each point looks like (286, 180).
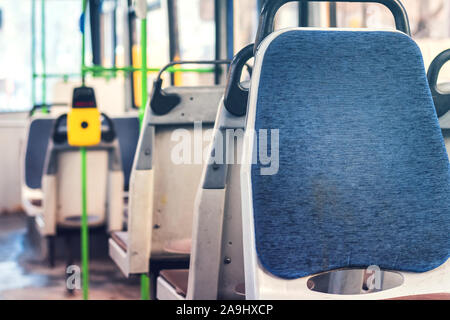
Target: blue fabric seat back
(363, 172)
(40, 130)
(38, 138)
(127, 130)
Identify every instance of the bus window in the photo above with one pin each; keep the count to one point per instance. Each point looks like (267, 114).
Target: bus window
(196, 34)
(430, 23)
(15, 62)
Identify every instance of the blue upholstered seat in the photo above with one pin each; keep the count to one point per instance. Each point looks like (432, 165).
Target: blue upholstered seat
(38, 138)
(127, 129)
(128, 134)
(363, 175)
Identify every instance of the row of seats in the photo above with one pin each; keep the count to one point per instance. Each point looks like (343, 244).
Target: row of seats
(362, 178)
(162, 193)
(326, 170)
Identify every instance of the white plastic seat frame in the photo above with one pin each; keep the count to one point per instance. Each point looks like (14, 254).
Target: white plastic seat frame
(216, 268)
(61, 187)
(162, 193)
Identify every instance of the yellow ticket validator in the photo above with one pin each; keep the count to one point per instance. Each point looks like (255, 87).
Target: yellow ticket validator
(84, 126)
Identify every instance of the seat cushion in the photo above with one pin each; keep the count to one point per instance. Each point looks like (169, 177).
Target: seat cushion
(178, 246)
(363, 172)
(178, 279)
(121, 238)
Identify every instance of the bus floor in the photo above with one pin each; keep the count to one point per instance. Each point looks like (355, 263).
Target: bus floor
(25, 276)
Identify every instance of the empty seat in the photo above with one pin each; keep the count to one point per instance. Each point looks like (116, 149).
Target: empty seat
(216, 268)
(61, 183)
(217, 224)
(362, 176)
(165, 176)
(38, 136)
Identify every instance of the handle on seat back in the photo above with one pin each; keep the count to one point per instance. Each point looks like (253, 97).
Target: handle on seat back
(110, 134)
(162, 102)
(59, 137)
(236, 96)
(441, 100)
(271, 7)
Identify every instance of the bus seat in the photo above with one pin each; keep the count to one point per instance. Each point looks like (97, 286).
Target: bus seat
(216, 268)
(127, 129)
(162, 191)
(38, 135)
(61, 185)
(363, 179)
(217, 226)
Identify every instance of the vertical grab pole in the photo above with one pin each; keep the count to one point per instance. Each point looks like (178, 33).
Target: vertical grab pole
(143, 69)
(141, 13)
(83, 43)
(224, 34)
(145, 280)
(145, 287)
(84, 227)
(174, 46)
(43, 59)
(33, 53)
(303, 14)
(230, 29)
(84, 217)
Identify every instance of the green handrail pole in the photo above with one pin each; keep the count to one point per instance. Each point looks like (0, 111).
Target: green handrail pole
(43, 59)
(84, 227)
(84, 215)
(33, 53)
(145, 280)
(143, 69)
(83, 44)
(141, 9)
(100, 69)
(59, 75)
(145, 287)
